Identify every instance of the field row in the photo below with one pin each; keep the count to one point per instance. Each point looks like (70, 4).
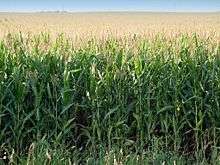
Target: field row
(153, 101)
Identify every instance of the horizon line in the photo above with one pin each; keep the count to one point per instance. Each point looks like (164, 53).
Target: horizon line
(110, 11)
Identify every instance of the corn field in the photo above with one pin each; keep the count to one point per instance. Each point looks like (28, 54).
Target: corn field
(80, 27)
(149, 101)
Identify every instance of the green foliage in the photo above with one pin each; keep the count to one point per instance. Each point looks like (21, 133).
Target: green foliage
(110, 100)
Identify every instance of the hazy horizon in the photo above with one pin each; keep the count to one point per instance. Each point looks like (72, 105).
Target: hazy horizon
(111, 6)
(108, 11)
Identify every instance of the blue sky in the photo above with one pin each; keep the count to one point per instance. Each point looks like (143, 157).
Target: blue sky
(110, 5)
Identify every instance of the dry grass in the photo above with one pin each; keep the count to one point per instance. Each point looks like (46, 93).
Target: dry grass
(99, 25)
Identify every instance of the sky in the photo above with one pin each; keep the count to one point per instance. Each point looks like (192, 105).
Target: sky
(110, 5)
